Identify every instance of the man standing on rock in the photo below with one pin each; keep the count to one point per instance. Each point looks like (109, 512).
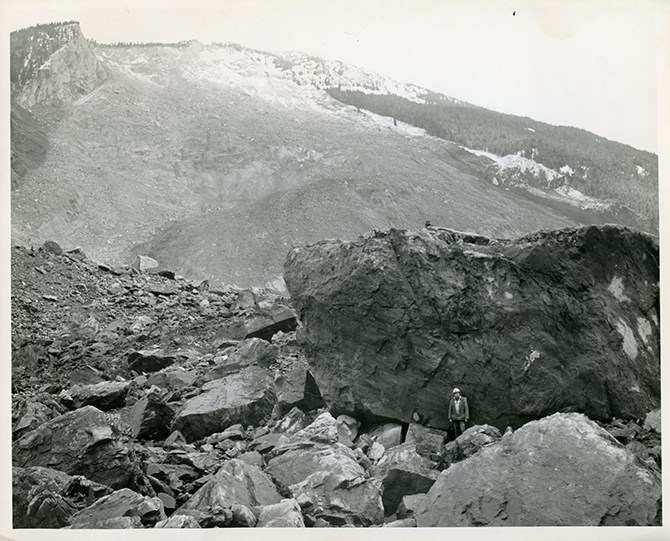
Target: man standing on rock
(458, 412)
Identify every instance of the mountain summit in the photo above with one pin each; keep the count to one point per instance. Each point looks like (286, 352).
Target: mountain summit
(216, 159)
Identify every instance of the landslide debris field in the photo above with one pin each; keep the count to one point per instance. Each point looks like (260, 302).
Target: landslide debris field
(145, 400)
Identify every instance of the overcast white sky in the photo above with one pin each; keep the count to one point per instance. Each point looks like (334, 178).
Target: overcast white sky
(587, 63)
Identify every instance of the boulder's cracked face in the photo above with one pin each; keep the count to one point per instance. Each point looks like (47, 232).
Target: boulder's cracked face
(558, 321)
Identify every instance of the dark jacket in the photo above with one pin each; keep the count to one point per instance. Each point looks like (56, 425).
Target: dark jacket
(463, 415)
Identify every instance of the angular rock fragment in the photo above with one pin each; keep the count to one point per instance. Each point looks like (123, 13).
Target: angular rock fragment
(402, 472)
(172, 379)
(340, 500)
(245, 397)
(347, 429)
(106, 395)
(297, 388)
(264, 324)
(114, 523)
(322, 430)
(297, 463)
(119, 504)
(272, 320)
(561, 470)
(149, 361)
(178, 521)
(468, 443)
(236, 482)
(428, 441)
(144, 263)
(30, 417)
(653, 421)
(253, 351)
(409, 504)
(83, 442)
(29, 484)
(285, 514)
(151, 417)
(401, 523)
(294, 421)
(388, 434)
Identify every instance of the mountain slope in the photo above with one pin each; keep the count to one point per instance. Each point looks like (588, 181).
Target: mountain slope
(527, 151)
(216, 158)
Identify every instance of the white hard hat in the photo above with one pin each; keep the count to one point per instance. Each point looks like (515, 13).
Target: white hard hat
(456, 390)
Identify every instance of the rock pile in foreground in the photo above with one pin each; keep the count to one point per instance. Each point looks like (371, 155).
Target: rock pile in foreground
(147, 401)
(563, 470)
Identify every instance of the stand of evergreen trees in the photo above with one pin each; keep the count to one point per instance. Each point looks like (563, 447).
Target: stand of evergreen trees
(602, 168)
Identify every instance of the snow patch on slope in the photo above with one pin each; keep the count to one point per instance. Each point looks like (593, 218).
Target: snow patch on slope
(519, 163)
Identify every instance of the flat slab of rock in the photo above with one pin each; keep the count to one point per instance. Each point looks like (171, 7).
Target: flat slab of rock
(84, 442)
(236, 483)
(172, 379)
(563, 470)
(253, 351)
(106, 395)
(272, 320)
(394, 320)
(245, 397)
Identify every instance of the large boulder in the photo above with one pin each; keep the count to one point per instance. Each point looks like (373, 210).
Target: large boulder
(235, 483)
(565, 320)
(84, 442)
(402, 472)
(246, 397)
(563, 470)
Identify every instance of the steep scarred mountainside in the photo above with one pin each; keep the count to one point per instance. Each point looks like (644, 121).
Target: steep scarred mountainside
(196, 154)
(51, 64)
(566, 320)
